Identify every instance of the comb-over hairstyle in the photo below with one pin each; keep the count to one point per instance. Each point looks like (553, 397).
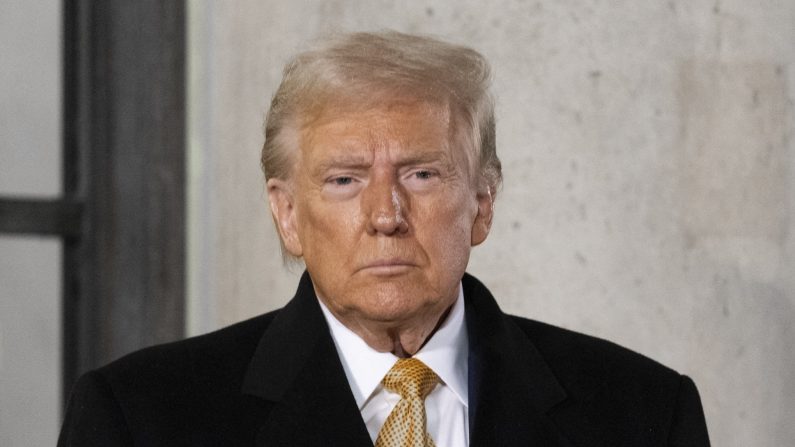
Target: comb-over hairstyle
(365, 70)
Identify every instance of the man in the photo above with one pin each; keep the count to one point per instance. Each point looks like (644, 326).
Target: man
(381, 172)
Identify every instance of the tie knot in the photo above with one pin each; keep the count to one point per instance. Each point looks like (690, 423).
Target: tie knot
(410, 378)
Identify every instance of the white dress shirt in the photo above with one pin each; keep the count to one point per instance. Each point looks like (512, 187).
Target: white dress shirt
(445, 353)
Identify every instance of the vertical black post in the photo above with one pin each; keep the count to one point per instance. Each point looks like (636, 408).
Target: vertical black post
(75, 81)
(124, 160)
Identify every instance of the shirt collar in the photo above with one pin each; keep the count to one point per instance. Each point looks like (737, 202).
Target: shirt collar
(445, 353)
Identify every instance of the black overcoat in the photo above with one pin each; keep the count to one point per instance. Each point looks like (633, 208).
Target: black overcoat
(276, 380)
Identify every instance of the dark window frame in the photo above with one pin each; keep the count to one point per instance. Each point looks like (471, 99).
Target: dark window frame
(122, 213)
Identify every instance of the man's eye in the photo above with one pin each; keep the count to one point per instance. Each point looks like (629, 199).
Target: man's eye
(423, 175)
(342, 181)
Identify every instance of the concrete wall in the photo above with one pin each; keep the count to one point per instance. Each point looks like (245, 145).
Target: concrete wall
(649, 155)
(30, 267)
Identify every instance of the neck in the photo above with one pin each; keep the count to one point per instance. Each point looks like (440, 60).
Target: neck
(400, 350)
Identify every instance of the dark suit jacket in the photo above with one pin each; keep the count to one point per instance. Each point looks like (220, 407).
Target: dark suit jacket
(276, 380)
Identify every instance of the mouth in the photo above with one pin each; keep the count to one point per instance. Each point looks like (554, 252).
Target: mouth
(387, 267)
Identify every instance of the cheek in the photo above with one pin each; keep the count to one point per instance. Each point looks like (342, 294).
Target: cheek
(326, 229)
(450, 223)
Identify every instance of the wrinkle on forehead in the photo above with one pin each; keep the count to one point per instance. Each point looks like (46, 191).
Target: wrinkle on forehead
(358, 136)
(379, 117)
(376, 102)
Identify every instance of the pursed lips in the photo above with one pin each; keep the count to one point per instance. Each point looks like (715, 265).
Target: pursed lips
(387, 266)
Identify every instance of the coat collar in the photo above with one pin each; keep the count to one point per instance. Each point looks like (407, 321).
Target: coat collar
(297, 369)
(511, 388)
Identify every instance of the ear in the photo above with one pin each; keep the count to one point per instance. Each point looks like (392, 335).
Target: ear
(280, 196)
(482, 224)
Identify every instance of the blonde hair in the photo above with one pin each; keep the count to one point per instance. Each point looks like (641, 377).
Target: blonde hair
(365, 69)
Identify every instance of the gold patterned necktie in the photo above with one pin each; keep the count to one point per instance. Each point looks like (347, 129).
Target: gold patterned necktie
(406, 424)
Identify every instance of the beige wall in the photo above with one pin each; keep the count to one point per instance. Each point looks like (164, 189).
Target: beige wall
(30, 266)
(649, 197)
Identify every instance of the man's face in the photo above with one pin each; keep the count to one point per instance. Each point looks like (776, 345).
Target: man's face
(383, 211)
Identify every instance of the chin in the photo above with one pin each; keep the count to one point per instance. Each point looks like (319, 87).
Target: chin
(389, 308)
(394, 303)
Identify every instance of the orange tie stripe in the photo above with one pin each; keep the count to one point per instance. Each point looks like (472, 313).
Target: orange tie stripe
(406, 424)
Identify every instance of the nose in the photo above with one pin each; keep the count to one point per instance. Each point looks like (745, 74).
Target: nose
(385, 206)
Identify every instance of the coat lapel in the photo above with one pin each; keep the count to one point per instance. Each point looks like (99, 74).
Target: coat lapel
(511, 388)
(296, 368)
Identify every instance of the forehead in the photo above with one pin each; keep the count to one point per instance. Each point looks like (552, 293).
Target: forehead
(400, 125)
